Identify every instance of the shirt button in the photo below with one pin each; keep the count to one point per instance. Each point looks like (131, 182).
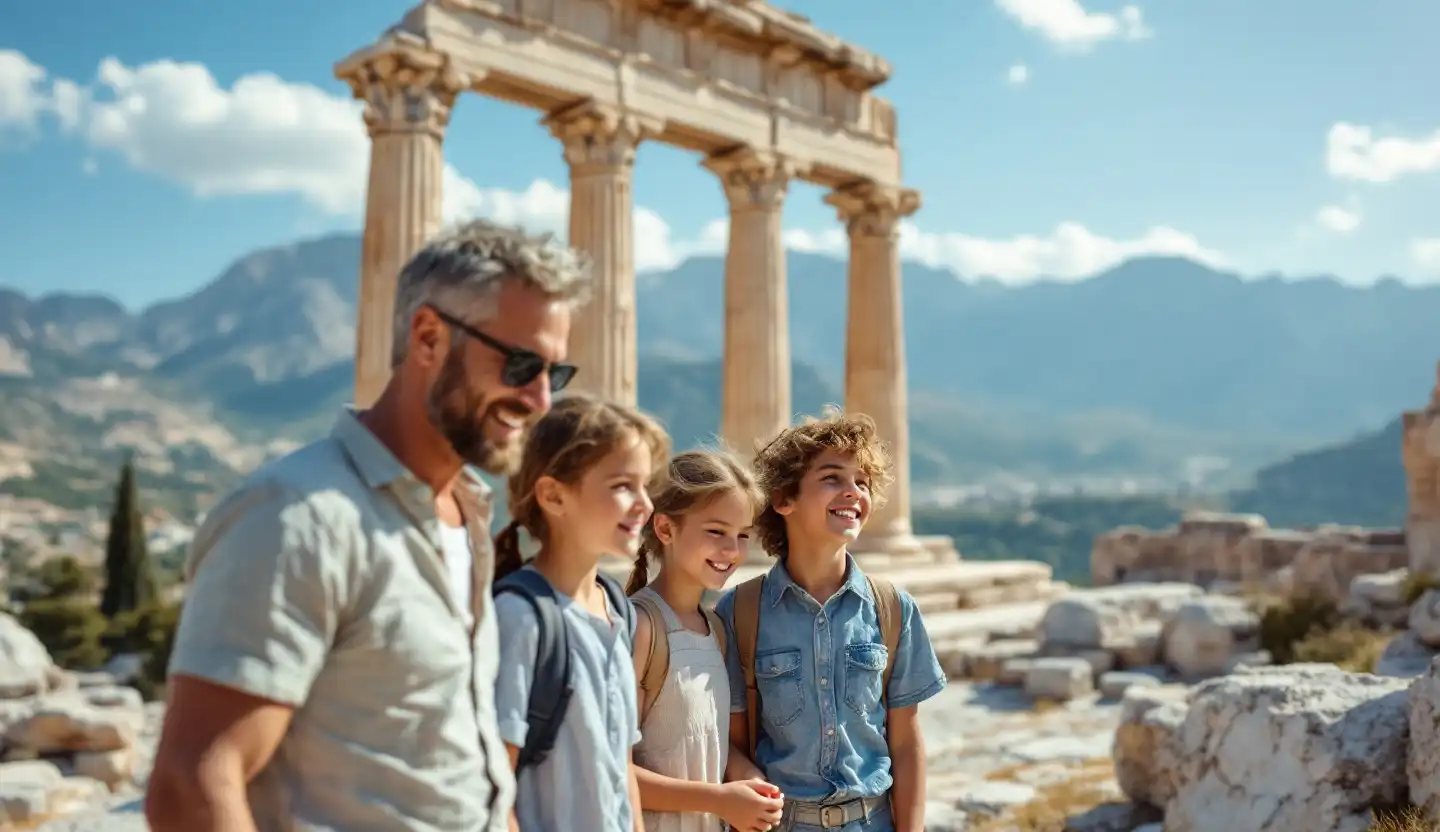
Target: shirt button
(823, 681)
(829, 732)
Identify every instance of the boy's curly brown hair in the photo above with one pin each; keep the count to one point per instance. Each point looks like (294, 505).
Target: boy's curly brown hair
(781, 465)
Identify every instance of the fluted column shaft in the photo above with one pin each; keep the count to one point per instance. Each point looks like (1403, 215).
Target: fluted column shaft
(408, 95)
(755, 392)
(875, 379)
(600, 146)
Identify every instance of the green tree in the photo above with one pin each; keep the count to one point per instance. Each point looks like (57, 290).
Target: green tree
(70, 628)
(129, 578)
(62, 578)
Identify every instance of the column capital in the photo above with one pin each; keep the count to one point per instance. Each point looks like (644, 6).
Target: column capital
(598, 137)
(751, 178)
(407, 86)
(870, 209)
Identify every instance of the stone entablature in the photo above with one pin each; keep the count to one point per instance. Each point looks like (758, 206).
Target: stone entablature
(1241, 549)
(736, 74)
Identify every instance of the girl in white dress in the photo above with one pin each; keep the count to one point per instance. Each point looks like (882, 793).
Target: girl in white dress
(698, 534)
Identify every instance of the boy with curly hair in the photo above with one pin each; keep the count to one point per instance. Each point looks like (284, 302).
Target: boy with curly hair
(827, 665)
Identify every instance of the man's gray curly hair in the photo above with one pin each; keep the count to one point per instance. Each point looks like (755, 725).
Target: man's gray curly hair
(461, 270)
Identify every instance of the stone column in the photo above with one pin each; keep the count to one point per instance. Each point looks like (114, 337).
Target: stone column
(408, 92)
(1420, 452)
(875, 382)
(756, 366)
(600, 144)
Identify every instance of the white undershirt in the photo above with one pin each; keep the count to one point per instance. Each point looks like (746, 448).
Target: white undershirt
(459, 562)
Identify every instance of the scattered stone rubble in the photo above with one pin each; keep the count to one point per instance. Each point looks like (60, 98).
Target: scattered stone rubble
(68, 741)
(1212, 550)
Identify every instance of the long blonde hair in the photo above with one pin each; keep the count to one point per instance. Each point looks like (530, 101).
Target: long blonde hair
(577, 433)
(693, 481)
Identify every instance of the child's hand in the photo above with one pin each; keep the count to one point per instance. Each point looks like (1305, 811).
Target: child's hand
(751, 805)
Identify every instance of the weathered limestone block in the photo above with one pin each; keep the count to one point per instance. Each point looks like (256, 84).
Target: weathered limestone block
(1146, 743)
(25, 664)
(1213, 546)
(1014, 671)
(1302, 746)
(1059, 678)
(1315, 573)
(1422, 762)
(1424, 618)
(1378, 598)
(1114, 684)
(984, 662)
(26, 789)
(1107, 617)
(1141, 648)
(66, 723)
(1264, 553)
(1405, 657)
(1204, 634)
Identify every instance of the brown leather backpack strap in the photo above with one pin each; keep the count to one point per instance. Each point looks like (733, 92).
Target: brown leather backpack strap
(657, 663)
(747, 634)
(888, 615)
(717, 629)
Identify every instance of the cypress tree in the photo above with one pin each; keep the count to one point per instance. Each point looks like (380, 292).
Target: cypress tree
(129, 580)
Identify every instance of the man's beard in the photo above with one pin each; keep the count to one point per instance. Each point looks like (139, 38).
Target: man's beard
(460, 413)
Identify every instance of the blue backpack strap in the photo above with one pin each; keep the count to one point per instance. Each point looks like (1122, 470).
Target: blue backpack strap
(620, 602)
(550, 688)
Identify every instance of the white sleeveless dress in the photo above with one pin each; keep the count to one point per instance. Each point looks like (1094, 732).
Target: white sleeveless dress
(686, 735)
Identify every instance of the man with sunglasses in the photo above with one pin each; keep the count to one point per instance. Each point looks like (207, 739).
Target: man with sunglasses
(335, 660)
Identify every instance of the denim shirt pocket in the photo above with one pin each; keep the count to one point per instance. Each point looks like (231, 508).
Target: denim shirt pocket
(864, 671)
(782, 694)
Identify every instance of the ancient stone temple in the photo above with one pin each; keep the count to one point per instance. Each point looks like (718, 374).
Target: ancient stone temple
(1420, 451)
(764, 98)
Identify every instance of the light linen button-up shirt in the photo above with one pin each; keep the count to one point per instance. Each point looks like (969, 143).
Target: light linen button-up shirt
(320, 583)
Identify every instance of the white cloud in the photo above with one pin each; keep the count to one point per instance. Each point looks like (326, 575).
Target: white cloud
(1018, 74)
(267, 136)
(1352, 151)
(1066, 23)
(1337, 219)
(23, 97)
(1426, 254)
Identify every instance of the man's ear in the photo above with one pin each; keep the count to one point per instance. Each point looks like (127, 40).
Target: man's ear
(429, 338)
(664, 528)
(783, 505)
(551, 496)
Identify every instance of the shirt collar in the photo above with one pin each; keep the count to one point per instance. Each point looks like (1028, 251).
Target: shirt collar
(379, 468)
(779, 581)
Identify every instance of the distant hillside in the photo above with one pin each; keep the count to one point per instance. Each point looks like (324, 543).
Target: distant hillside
(1361, 481)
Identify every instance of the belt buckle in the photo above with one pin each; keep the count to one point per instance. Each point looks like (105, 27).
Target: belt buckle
(832, 817)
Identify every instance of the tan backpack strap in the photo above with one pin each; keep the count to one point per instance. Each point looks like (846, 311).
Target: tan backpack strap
(717, 628)
(887, 613)
(657, 663)
(747, 633)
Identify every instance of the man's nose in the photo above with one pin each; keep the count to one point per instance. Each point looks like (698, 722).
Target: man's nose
(536, 395)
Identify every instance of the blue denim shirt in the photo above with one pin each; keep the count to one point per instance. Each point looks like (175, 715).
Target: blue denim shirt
(819, 669)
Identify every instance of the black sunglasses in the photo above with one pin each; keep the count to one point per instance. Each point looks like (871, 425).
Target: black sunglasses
(521, 365)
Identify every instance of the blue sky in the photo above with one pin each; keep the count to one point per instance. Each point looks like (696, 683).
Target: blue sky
(143, 147)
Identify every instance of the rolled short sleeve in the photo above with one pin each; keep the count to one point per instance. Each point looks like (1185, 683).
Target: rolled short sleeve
(266, 591)
(917, 674)
(725, 608)
(519, 640)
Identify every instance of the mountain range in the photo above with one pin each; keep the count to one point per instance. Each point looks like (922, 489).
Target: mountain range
(1160, 368)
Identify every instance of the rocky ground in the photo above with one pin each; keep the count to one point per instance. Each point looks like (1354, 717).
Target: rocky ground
(993, 754)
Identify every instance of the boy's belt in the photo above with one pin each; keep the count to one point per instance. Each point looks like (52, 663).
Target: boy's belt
(835, 815)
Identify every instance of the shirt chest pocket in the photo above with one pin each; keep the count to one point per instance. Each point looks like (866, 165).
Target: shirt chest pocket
(864, 676)
(777, 678)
